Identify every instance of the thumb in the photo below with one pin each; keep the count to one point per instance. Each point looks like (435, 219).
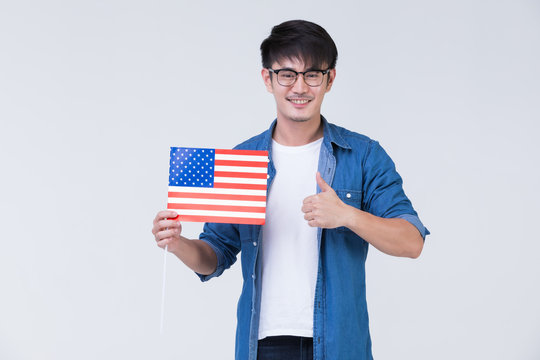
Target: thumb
(322, 184)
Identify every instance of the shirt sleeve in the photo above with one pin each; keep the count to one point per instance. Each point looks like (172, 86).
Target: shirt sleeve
(383, 189)
(224, 239)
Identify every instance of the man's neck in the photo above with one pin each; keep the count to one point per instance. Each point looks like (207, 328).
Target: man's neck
(291, 133)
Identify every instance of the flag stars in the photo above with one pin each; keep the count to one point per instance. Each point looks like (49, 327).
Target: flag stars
(191, 168)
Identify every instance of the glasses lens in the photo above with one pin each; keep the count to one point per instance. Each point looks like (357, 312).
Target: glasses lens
(286, 77)
(313, 78)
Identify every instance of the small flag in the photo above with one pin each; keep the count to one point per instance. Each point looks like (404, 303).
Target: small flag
(214, 185)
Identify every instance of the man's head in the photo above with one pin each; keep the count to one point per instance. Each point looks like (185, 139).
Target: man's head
(299, 40)
(299, 59)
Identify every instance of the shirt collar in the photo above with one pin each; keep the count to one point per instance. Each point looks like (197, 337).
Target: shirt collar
(331, 135)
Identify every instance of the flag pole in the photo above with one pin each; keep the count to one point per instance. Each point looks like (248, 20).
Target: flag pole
(163, 288)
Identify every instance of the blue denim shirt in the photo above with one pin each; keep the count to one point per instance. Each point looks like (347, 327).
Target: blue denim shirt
(364, 176)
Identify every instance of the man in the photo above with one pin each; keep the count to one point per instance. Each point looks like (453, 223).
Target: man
(332, 192)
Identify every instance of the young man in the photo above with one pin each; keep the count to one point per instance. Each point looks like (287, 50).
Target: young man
(332, 192)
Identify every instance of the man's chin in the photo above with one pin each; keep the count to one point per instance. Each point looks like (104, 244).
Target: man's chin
(299, 119)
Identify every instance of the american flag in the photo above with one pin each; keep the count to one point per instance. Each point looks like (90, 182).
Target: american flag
(214, 185)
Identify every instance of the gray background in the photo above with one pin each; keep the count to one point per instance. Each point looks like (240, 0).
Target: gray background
(93, 93)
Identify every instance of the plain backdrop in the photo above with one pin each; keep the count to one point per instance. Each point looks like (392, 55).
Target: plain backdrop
(93, 94)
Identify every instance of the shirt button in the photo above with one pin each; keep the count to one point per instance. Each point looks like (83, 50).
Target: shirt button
(253, 276)
(254, 243)
(268, 176)
(348, 195)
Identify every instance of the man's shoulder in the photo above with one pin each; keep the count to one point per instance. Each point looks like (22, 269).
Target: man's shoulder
(349, 138)
(257, 142)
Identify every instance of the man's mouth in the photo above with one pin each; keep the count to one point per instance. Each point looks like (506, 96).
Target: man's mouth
(299, 101)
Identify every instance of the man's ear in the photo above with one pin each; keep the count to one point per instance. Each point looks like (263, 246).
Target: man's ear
(330, 81)
(267, 78)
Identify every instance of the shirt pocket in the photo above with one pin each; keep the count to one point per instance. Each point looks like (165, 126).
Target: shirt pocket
(352, 198)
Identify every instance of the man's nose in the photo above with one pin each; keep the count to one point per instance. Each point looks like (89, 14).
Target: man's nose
(300, 86)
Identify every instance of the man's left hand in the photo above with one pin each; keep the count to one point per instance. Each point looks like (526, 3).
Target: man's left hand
(325, 209)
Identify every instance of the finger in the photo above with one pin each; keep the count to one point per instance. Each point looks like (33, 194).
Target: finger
(165, 214)
(322, 184)
(310, 199)
(164, 234)
(313, 223)
(164, 224)
(163, 243)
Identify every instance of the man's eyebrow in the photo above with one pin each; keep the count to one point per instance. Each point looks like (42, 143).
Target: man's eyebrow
(287, 68)
(311, 68)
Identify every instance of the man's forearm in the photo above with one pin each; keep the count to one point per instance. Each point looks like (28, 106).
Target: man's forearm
(196, 254)
(396, 236)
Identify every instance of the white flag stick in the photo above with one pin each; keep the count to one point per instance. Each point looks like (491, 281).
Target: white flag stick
(163, 288)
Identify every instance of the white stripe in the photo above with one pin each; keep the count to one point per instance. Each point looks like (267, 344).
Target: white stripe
(220, 213)
(241, 157)
(175, 200)
(260, 170)
(231, 180)
(188, 189)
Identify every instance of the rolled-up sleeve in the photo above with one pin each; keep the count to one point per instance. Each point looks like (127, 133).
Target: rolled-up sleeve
(225, 241)
(383, 189)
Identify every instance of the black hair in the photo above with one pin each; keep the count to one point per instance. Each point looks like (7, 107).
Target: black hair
(302, 40)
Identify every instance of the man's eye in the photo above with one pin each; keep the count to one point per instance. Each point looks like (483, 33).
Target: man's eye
(287, 75)
(312, 75)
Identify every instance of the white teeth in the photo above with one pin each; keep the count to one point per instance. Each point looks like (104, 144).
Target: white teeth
(299, 101)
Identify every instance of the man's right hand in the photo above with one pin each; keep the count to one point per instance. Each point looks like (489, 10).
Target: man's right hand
(166, 230)
(196, 254)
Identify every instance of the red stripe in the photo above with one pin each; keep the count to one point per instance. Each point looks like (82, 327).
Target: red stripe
(239, 186)
(221, 219)
(239, 174)
(240, 163)
(253, 209)
(216, 196)
(241, 152)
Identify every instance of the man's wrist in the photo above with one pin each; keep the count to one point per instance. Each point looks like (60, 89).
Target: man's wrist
(351, 216)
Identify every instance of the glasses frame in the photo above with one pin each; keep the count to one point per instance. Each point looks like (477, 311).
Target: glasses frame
(324, 72)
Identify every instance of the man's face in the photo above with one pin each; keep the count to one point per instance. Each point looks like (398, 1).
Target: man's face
(298, 102)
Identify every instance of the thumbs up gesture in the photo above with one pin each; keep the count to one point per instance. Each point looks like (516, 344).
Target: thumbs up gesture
(325, 209)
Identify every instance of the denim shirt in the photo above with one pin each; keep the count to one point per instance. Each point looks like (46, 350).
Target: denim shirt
(364, 176)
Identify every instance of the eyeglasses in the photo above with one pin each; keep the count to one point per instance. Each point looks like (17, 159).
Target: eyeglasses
(287, 77)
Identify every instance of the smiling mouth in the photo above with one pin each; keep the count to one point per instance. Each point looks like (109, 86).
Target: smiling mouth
(299, 101)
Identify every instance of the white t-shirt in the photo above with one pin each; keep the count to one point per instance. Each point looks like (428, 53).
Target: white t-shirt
(290, 250)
